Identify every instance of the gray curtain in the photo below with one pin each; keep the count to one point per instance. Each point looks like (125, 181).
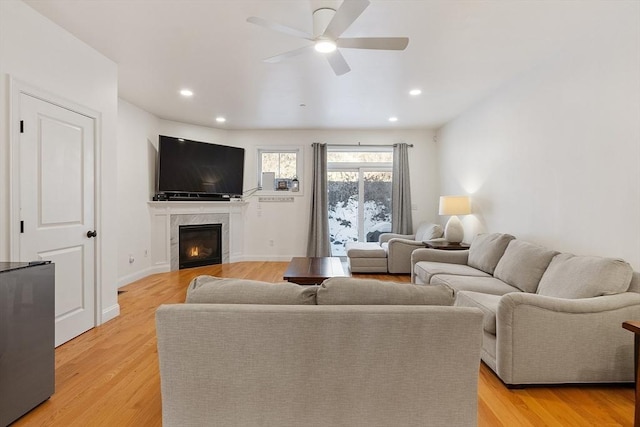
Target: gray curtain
(318, 243)
(401, 221)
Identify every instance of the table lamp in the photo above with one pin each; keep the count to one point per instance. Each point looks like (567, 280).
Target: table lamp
(454, 205)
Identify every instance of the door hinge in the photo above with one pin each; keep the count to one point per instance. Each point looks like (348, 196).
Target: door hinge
(21, 126)
(21, 226)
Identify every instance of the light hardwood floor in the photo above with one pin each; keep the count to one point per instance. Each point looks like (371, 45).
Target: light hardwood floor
(109, 375)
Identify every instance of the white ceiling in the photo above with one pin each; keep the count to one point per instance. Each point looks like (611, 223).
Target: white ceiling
(459, 51)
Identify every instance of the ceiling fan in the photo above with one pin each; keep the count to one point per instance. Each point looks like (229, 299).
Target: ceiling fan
(328, 25)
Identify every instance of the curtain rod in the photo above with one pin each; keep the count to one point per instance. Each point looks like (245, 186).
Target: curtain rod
(365, 145)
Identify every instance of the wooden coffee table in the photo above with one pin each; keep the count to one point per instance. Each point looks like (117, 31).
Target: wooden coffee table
(313, 270)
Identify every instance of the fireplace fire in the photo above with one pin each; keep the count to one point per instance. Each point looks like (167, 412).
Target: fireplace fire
(200, 245)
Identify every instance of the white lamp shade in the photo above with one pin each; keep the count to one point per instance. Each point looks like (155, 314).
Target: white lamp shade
(454, 205)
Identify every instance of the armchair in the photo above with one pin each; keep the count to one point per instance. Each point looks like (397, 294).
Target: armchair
(400, 246)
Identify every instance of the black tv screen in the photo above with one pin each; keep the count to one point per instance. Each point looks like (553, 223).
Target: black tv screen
(186, 166)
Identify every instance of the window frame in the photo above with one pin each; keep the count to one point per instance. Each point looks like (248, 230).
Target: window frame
(360, 168)
(298, 150)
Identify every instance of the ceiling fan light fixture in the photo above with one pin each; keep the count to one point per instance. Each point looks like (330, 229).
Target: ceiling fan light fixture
(325, 46)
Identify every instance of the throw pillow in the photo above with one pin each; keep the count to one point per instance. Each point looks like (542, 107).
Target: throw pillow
(215, 290)
(570, 276)
(351, 291)
(523, 264)
(428, 232)
(487, 249)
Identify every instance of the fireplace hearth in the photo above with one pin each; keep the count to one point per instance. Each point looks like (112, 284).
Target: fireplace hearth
(199, 245)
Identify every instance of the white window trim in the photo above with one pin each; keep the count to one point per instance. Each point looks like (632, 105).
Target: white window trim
(299, 150)
(360, 168)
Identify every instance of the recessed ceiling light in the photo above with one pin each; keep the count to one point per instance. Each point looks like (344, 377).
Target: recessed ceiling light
(220, 119)
(393, 119)
(186, 92)
(415, 92)
(325, 46)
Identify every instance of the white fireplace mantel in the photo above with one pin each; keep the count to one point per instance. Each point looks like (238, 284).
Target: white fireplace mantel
(162, 213)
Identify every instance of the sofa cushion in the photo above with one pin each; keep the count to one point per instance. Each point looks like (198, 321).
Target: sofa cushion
(523, 264)
(428, 231)
(570, 276)
(487, 249)
(486, 285)
(365, 250)
(352, 291)
(215, 290)
(485, 302)
(425, 270)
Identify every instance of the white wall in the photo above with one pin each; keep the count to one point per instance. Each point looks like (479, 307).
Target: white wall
(554, 156)
(137, 148)
(39, 53)
(285, 224)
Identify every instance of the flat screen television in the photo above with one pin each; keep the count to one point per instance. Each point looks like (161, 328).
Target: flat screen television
(192, 169)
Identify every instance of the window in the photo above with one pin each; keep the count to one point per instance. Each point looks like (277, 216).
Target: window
(285, 163)
(359, 187)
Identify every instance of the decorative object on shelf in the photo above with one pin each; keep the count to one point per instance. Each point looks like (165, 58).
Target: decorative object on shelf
(282, 184)
(268, 181)
(295, 184)
(454, 205)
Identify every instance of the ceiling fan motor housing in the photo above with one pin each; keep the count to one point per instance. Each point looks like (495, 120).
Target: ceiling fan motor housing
(321, 19)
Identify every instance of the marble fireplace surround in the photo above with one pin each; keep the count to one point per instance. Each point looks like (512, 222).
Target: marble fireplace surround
(197, 219)
(167, 217)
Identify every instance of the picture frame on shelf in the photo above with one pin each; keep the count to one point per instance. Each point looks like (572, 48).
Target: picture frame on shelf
(282, 185)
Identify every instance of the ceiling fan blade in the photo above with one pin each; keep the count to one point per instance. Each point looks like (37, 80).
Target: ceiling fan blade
(383, 43)
(344, 17)
(290, 54)
(338, 63)
(279, 27)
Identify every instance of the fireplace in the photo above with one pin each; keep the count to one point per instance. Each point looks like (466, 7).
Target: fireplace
(199, 245)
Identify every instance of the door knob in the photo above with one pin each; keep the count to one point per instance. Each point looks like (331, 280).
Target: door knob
(91, 234)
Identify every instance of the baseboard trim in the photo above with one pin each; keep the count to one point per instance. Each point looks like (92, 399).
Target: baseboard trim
(164, 268)
(110, 313)
(123, 281)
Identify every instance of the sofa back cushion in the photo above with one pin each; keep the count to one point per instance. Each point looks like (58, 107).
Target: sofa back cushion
(523, 265)
(487, 249)
(351, 291)
(427, 231)
(215, 290)
(570, 276)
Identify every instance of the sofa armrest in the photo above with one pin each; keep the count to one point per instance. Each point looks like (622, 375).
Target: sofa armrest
(437, 255)
(399, 254)
(385, 237)
(399, 242)
(547, 340)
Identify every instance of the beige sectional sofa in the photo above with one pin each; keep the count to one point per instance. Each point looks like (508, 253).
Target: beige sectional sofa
(549, 317)
(244, 353)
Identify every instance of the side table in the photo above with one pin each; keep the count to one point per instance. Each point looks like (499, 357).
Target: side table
(634, 326)
(446, 246)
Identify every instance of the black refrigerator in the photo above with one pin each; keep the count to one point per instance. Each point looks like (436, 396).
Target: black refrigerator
(27, 331)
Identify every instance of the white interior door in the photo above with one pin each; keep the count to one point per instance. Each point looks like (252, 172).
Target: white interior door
(56, 152)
